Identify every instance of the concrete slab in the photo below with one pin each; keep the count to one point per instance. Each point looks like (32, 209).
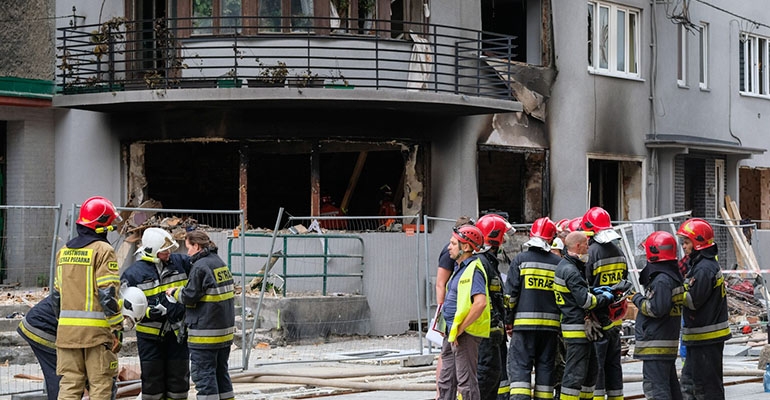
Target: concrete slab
(734, 350)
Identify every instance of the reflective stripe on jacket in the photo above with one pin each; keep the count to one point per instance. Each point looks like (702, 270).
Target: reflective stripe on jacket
(479, 327)
(570, 288)
(705, 301)
(529, 287)
(39, 325)
(208, 295)
(606, 266)
(80, 275)
(659, 319)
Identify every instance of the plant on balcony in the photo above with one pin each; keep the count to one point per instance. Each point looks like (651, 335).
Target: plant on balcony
(306, 79)
(109, 31)
(274, 75)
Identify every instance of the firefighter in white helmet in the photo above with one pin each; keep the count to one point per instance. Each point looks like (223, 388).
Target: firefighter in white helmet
(160, 336)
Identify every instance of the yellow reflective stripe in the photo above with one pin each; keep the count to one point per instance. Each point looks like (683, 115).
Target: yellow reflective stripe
(107, 279)
(543, 395)
(89, 301)
(115, 319)
(537, 271)
(574, 334)
(503, 390)
(613, 324)
(215, 298)
(210, 339)
(536, 321)
(706, 335)
(565, 396)
(560, 288)
(520, 391)
(147, 329)
(656, 351)
(34, 337)
(101, 323)
(162, 288)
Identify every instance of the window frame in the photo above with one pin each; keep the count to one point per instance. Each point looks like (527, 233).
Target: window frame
(753, 61)
(703, 62)
(681, 58)
(631, 32)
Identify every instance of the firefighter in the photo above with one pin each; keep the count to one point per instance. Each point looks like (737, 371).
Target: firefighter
(533, 314)
(163, 353)
(38, 328)
(387, 206)
(575, 300)
(330, 209)
(705, 314)
(493, 377)
(606, 266)
(210, 317)
(467, 314)
(87, 301)
(658, 320)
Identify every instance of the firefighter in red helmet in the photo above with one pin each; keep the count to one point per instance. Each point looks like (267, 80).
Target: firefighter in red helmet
(606, 266)
(533, 315)
(87, 301)
(658, 320)
(704, 313)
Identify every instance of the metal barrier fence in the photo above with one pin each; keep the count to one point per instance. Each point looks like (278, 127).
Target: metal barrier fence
(29, 239)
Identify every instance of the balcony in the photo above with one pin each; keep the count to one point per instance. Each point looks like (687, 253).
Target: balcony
(178, 62)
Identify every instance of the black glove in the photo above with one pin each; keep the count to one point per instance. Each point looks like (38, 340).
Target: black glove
(604, 299)
(637, 299)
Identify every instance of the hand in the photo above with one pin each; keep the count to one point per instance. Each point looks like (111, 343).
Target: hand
(604, 299)
(128, 323)
(509, 329)
(117, 340)
(637, 299)
(601, 289)
(170, 295)
(157, 311)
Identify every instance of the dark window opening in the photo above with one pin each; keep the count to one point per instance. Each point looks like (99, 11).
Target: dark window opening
(506, 17)
(603, 185)
(205, 176)
(502, 182)
(695, 186)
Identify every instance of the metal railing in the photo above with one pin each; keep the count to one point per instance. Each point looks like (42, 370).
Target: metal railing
(121, 55)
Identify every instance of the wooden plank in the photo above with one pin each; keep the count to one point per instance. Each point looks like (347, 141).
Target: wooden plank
(353, 180)
(739, 257)
(738, 239)
(749, 250)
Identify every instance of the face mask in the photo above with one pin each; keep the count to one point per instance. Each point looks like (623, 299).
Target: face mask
(583, 258)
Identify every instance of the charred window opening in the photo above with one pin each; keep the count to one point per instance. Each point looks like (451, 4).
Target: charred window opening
(511, 181)
(695, 186)
(506, 17)
(355, 176)
(616, 186)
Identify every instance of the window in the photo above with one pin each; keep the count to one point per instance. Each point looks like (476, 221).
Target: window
(215, 16)
(703, 62)
(753, 51)
(613, 33)
(681, 59)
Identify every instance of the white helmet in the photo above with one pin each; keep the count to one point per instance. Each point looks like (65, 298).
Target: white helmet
(134, 302)
(154, 241)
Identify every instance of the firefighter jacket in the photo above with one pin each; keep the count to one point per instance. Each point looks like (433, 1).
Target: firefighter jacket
(86, 291)
(529, 291)
(573, 297)
(606, 266)
(479, 327)
(660, 311)
(495, 290)
(705, 304)
(39, 325)
(208, 295)
(144, 275)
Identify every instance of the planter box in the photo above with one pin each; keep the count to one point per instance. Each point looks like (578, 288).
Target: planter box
(335, 86)
(229, 82)
(302, 82)
(197, 83)
(256, 83)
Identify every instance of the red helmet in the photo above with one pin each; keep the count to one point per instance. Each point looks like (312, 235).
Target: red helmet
(596, 219)
(97, 212)
(493, 227)
(698, 231)
(543, 228)
(469, 234)
(574, 224)
(617, 310)
(562, 225)
(660, 246)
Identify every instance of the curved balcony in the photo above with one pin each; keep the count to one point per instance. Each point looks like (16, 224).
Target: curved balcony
(136, 64)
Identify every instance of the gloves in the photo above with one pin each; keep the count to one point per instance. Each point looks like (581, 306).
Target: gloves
(128, 323)
(117, 341)
(593, 329)
(637, 299)
(601, 289)
(604, 299)
(156, 311)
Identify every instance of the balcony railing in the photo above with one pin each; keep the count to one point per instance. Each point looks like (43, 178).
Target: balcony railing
(166, 54)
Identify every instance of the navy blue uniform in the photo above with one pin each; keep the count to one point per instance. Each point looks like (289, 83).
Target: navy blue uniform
(38, 328)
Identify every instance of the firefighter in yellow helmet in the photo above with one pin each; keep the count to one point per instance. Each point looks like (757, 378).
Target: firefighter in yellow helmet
(87, 301)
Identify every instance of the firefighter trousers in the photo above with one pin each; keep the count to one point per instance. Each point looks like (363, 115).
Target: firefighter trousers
(97, 365)
(609, 379)
(458, 369)
(579, 371)
(165, 371)
(503, 390)
(46, 357)
(208, 369)
(490, 365)
(532, 349)
(660, 381)
(702, 373)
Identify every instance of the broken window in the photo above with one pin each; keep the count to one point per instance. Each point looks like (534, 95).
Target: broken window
(355, 176)
(511, 181)
(616, 186)
(509, 17)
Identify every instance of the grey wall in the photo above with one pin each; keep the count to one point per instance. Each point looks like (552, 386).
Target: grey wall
(27, 33)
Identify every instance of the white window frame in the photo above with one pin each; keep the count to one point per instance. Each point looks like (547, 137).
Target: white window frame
(612, 41)
(681, 73)
(755, 54)
(703, 79)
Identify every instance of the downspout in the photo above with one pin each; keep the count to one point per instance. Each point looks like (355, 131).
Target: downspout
(730, 86)
(654, 168)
